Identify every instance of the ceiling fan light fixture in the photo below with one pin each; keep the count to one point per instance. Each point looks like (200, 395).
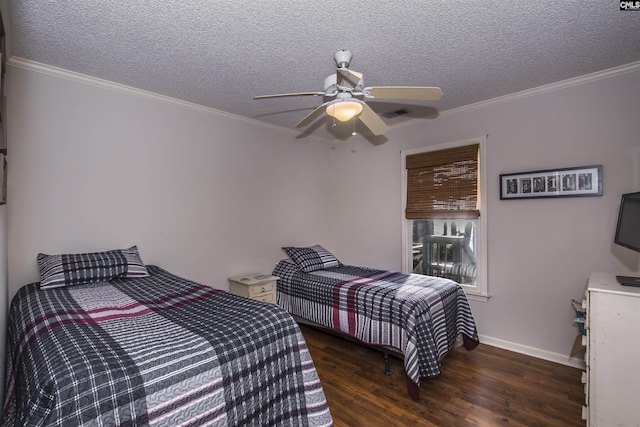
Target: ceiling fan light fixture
(344, 110)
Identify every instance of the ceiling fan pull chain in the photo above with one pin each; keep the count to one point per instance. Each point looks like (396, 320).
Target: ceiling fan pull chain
(333, 107)
(354, 127)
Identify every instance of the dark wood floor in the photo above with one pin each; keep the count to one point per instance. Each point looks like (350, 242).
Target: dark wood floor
(484, 387)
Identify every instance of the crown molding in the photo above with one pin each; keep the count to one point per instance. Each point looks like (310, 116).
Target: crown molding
(552, 87)
(129, 90)
(105, 84)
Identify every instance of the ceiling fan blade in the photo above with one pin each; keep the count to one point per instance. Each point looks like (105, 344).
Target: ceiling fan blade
(404, 92)
(349, 76)
(312, 116)
(281, 95)
(372, 120)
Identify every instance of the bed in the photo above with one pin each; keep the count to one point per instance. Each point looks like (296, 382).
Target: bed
(154, 349)
(420, 317)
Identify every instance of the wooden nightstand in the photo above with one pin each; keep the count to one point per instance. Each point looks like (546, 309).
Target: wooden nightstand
(261, 287)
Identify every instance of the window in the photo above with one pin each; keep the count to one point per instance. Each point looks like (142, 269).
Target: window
(444, 221)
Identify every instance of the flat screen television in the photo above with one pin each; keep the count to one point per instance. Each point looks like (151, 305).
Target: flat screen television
(628, 230)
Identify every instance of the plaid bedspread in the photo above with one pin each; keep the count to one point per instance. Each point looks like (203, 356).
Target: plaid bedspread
(420, 316)
(159, 350)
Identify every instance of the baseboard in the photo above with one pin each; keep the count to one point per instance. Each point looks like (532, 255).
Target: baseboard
(562, 359)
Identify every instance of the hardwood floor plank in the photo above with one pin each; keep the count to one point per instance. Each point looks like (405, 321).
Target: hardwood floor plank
(484, 387)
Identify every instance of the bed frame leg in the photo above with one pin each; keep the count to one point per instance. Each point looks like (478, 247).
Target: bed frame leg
(387, 364)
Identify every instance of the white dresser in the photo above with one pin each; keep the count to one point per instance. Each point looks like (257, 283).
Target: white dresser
(612, 377)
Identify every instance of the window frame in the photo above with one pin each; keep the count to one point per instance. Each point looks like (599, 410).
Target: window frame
(480, 292)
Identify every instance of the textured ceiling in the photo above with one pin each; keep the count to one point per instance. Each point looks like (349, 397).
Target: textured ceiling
(221, 53)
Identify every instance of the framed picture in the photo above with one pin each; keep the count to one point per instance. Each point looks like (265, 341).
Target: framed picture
(567, 182)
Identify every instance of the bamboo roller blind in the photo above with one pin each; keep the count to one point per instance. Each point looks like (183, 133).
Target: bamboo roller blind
(443, 184)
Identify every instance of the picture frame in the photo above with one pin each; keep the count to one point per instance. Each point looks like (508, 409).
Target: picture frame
(582, 181)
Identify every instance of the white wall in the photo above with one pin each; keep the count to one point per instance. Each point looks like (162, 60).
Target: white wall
(94, 166)
(541, 251)
(207, 195)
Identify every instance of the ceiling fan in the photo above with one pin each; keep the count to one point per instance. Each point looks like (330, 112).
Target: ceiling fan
(344, 95)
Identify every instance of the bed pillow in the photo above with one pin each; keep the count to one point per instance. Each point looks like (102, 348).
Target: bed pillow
(76, 269)
(312, 258)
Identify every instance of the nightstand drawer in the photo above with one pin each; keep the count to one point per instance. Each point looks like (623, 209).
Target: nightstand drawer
(260, 289)
(266, 297)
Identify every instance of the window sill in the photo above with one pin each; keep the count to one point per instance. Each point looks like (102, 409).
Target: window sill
(475, 296)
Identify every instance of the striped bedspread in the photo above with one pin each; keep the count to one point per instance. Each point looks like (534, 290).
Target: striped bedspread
(420, 316)
(159, 350)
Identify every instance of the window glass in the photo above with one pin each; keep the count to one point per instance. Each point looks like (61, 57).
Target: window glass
(445, 248)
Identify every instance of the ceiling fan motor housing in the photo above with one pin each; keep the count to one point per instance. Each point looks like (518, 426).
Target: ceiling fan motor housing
(331, 85)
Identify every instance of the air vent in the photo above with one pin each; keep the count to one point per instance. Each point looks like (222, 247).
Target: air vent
(392, 114)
